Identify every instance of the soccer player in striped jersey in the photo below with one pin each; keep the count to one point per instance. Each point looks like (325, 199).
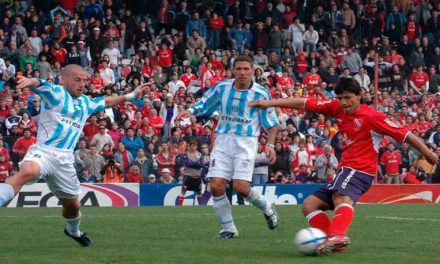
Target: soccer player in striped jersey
(361, 128)
(63, 114)
(235, 146)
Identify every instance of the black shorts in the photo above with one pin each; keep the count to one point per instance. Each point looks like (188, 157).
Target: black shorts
(192, 184)
(349, 182)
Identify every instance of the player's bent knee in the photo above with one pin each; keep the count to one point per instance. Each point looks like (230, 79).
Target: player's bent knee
(71, 205)
(313, 203)
(218, 186)
(242, 187)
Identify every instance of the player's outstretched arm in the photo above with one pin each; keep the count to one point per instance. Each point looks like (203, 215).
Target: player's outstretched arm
(414, 141)
(111, 101)
(31, 83)
(284, 103)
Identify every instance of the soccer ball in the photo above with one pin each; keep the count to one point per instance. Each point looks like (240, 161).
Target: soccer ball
(308, 239)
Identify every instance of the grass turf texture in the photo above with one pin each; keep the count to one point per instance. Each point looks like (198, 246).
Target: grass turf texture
(380, 234)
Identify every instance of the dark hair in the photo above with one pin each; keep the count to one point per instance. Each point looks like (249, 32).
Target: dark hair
(243, 58)
(347, 84)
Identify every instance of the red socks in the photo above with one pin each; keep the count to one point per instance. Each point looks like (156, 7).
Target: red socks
(180, 201)
(344, 215)
(319, 219)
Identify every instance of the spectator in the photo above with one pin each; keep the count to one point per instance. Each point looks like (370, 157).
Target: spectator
(144, 163)
(151, 179)
(5, 168)
(261, 171)
(132, 142)
(166, 177)
(101, 139)
(94, 163)
(134, 175)
(326, 165)
(85, 177)
(166, 159)
(391, 162)
(123, 157)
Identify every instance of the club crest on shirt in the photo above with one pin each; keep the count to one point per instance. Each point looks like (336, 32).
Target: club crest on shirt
(245, 164)
(357, 123)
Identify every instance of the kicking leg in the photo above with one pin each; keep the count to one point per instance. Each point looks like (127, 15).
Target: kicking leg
(251, 195)
(28, 172)
(337, 240)
(313, 209)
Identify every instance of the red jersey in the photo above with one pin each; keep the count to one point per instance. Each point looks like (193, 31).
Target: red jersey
(59, 55)
(5, 112)
(187, 79)
(391, 161)
(5, 152)
(5, 168)
(216, 23)
(99, 83)
(301, 66)
(311, 80)
(361, 133)
(215, 79)
(424, 126)
(419, 79)
(134, 177)
(284, 81)
(165, 57)
(22, 145)
(157, 120)
(90, 130)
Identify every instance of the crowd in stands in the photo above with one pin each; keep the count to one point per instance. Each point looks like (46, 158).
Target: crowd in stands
(183, 47)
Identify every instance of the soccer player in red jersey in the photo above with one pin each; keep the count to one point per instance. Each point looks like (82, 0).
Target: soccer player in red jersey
(361, 129)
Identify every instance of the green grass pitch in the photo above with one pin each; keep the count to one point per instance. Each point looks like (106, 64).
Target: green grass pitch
(380, 234)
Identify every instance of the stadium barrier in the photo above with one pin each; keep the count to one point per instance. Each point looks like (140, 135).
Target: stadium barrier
(132, 194)
(102, 195)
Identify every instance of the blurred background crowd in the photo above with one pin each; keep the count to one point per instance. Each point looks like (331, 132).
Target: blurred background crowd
(183, 47)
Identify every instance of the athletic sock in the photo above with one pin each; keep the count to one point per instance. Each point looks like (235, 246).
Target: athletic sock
(255, 198)
(73, 226)
(6, 193)
(222, 209)
(344, 215)
(319, 219)
(181, 198)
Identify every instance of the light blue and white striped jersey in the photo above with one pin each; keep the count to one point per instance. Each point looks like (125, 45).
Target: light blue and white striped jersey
(62, 117)
(235, 117)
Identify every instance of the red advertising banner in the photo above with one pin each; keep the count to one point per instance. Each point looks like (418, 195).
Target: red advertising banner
(408, 193)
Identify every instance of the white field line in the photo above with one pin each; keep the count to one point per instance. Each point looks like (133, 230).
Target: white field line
(405, 218)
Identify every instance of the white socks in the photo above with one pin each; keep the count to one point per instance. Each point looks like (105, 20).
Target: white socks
(6, 193)
(255, 198)
(222, 209)
(73, 226)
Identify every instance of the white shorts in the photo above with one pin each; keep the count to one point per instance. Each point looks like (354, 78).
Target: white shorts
(57, 168)
(233, 157)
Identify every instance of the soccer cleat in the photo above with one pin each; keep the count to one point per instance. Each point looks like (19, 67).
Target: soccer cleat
(334, 244)
(83, 240)
(223, 234)
(272, 219)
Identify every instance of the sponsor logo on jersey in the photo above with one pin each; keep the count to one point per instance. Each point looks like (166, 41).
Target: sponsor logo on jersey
(236, 119)
(391, 123)
(324, 102)
(70, 123)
